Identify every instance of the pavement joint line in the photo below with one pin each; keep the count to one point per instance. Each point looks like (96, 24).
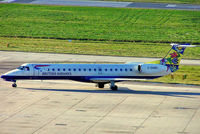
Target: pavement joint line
(150, 115)
(190, 119)
(124, 98)
(10, 93)
(25, 107)
(61, 114)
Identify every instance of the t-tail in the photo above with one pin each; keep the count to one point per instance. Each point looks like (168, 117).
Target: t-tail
(173, 57)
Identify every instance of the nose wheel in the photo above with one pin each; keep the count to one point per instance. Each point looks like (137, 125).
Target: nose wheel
(14, 85)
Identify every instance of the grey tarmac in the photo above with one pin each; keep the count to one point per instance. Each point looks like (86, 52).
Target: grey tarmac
(68, 107)
(52, 107)
(109, 4)
(27, 57)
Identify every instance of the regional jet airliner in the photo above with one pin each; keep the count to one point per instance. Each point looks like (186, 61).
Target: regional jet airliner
(100, 74)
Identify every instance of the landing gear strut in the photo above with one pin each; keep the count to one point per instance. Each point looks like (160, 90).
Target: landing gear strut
(113, 86)
(14, 84)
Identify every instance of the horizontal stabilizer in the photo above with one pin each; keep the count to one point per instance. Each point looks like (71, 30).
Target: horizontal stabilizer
(183, 45)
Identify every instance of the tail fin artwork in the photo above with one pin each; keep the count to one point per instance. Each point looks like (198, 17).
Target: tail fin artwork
(173, 57)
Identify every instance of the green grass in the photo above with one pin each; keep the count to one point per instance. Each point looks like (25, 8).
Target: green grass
(192, 76)
(104, 30)
(163, 1)
(92, 47)
(95, 23)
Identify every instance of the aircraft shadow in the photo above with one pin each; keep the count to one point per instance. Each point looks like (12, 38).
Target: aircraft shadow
(124, 90)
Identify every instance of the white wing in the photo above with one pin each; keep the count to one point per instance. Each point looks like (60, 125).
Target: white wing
(96, 80)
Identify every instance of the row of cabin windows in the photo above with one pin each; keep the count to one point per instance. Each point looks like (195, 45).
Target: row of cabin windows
(75, 69)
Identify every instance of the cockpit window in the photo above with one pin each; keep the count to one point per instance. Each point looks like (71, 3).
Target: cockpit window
(27, 69)
(23, 68)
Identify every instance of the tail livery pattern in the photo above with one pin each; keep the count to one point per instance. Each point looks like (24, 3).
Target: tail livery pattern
(173, 58)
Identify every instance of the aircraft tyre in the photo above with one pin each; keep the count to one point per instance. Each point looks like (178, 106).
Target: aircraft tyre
(14, 85)
(100, 85)
(114, 88)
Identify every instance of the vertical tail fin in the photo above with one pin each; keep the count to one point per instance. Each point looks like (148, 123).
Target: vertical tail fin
(173, 57)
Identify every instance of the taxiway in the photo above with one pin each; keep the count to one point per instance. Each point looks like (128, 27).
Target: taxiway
(96, 3)
(51, 107)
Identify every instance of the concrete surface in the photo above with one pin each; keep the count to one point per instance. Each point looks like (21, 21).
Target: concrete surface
(25, 57)
(67, 107)
(110, 4)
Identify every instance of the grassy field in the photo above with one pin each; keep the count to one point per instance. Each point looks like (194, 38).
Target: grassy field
(92, 47)
(101, 31)
(163, 1)
(94, 23)
(192, 76)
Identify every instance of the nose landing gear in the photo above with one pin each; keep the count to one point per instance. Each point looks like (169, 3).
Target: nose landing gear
(14, 84)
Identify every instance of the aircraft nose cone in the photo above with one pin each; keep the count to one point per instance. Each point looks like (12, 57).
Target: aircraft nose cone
(3, 76)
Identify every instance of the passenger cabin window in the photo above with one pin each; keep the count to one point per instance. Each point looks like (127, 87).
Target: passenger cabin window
(58, 69)
(63, 69)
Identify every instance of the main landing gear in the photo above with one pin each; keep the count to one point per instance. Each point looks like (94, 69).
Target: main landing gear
(100, 85)
(112, 85)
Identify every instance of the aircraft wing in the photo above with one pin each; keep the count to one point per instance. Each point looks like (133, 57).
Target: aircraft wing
(113, 79)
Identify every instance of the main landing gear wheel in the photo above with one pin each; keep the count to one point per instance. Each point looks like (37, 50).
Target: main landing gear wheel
(14, 85)
(100, 85)
(113, 86)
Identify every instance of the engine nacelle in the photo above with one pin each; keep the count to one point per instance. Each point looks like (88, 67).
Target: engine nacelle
(151, 68)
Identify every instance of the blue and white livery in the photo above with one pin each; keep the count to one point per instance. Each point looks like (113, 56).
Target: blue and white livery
(100, 73)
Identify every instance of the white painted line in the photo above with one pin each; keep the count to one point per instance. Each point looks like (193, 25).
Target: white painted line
(171, 5)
